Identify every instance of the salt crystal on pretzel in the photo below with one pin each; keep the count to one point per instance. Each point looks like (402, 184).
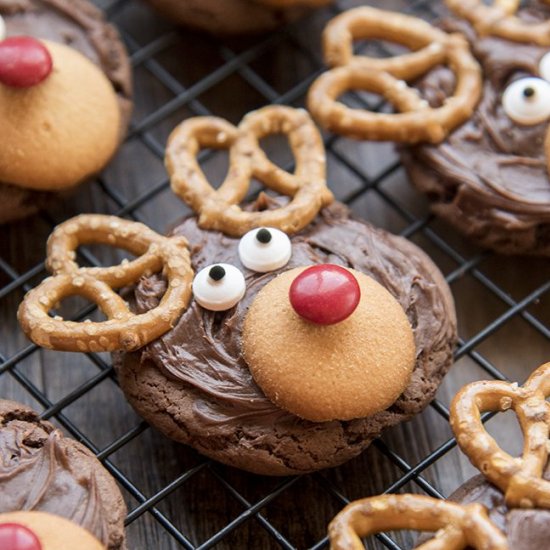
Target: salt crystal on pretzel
(218, 208)
(415, 121)
(520, 479)
(499, 19)
(458, 526)
(123, 329)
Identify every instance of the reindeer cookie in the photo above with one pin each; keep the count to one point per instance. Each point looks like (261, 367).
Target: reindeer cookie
(65, 99)
(307, 331)
(473, 109)
(505, 508)
(55, 493)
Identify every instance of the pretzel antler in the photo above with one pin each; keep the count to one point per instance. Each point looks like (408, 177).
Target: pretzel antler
(416, 121)
(461, 525)
(123, 329)
(218, 209)
(520, 479)
(499, 19)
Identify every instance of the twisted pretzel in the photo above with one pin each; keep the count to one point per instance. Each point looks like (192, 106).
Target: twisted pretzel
(218, 209)
(520, 479)
(462, 525)
(499, 19)
(123, 329)
(416, 121)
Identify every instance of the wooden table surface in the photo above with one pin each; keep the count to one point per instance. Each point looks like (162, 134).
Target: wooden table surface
(502, 303)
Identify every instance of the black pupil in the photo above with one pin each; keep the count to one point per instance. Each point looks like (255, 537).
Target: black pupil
(263, 235)
(529, 92)
(217, 272)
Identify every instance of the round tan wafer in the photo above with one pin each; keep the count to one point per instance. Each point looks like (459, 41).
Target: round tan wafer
(62, 131)
(352, 369)
(54, 532)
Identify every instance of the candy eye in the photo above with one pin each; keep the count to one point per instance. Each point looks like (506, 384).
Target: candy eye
(544, 67)
(265, 249)
(527, 101)
(218, 287)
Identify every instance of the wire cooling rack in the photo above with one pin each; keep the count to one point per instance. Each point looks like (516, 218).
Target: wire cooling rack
(176, 498)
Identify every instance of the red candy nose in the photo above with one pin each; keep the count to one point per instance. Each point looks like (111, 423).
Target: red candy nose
(14, 536)
(24, 62)
(325, 294)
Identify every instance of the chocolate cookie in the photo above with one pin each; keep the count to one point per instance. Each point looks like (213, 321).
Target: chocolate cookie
(41, 470)
(80, 25)
(489, 178)
(194, 385)
(308, 332)
(234, 16)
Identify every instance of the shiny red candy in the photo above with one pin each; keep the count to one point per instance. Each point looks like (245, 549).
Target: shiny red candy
(325, 294)
(14, 536)
(24, 62)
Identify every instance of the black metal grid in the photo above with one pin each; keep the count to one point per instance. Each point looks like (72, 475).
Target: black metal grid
(171, 84)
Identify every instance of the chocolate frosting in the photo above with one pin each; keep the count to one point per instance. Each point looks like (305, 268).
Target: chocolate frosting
(203, 351)
(490, 177)
(525, 529)
(41, 470)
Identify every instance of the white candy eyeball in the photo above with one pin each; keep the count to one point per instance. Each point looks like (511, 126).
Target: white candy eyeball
(2, 28)
(527, 101)
(218, 287)
(544, 67)
(265, 249)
